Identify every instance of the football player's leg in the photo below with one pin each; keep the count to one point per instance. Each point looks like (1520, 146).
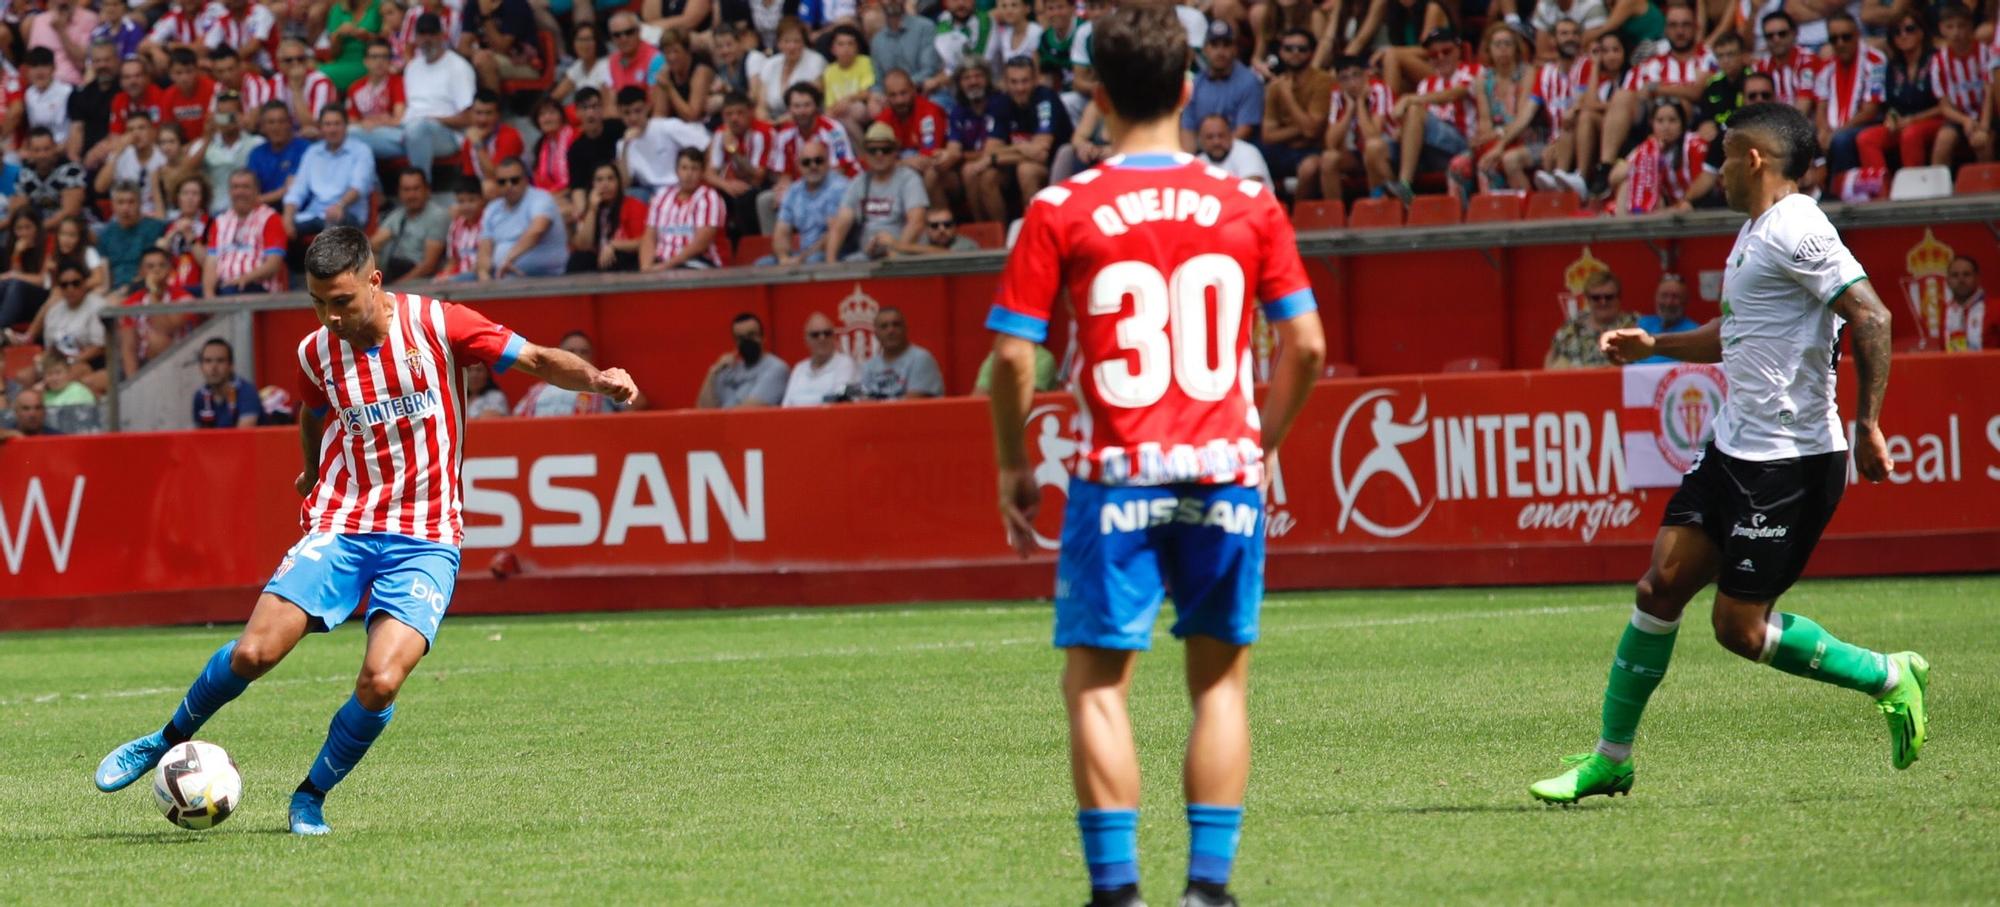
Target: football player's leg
(1104, 765)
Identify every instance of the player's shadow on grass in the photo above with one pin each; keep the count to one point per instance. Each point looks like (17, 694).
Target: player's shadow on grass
(143, 837)
(1463, 808)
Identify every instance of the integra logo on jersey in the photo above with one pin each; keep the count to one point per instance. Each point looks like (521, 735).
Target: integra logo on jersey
(358, 419)
(1134, 516)
(1148, 205)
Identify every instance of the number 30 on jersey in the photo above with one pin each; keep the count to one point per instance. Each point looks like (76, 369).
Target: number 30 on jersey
(1173, 307)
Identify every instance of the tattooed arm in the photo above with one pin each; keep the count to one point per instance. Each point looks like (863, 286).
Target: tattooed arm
(1868, 323)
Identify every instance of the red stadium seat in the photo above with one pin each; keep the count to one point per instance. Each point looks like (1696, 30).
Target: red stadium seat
(1376, 213)
(1434, 211)
(1319, 214)
(987, 234)
(1496, 207)
(1473, 364)
(1975, 179)
(17, 359)
(1549, 205)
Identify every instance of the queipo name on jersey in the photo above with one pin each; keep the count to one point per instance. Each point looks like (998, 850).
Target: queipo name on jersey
(1158, 253)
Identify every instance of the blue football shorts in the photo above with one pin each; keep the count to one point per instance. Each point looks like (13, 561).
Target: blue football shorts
(1126, 548)
(409, 579)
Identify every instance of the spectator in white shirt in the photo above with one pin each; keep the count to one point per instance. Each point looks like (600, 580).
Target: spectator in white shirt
(46, 99)
(437, 89)
(1219, 146)
(137, 162)
(652, 144)
(824, 376)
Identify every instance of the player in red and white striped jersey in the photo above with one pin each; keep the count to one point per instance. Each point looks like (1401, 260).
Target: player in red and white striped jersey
(382, 512)
(246, 244)
(1360, 124)
(1960, 70)
(684, 223)
(1436, 120)
(1792, 68)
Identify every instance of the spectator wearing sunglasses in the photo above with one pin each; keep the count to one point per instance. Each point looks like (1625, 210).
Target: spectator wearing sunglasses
(1575, 343)
(883, 211)
(809, 206)
(521, 233)
(825, 375)
(1704, 192)
(940, 236)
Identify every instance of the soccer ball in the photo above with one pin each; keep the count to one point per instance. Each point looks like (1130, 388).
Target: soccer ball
(197, 785)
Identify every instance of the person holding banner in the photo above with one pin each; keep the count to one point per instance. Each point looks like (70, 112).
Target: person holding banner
(1749, 514)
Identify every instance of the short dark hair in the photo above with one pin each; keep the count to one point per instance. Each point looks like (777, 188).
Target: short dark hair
(77, 267)
(278, 106)
(1346, 61)
(1782, 130)
(336, 251)
(155, 252)
(587, 94)
(222, 52)
(39, 56)
(1841, 15)
(1726, 39)
(1140, 53)
(510, 161)
(332, 109)
(746, 316)
(694, 154)
(417, 172)
(1974, 262)
(180, 56)
(468, 185)
(1780, 16)
(40, 132)
(1312, 41)
(489, 96)
(631, 94)
(1953, 11)
(226, 348)
(138, 116)
(735, 99)
(1019, 61)
(809, 90)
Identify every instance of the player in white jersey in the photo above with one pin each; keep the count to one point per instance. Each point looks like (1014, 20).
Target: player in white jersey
(1748, 515)
(382, 508)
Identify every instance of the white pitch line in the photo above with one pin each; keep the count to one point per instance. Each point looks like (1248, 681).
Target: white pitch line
(838, 652)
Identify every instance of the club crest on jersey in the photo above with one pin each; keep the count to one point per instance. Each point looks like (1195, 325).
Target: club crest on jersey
(358, 419)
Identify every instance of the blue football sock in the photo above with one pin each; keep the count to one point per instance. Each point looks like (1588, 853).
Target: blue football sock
(1110, 846)
(213, 688)
(348, 737)
(1213, 832)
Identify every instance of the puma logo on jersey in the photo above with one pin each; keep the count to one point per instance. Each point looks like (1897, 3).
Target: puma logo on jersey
(1149, 205)
(358, 419)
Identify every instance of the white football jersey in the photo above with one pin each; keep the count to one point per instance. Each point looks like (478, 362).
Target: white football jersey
(1780, 336)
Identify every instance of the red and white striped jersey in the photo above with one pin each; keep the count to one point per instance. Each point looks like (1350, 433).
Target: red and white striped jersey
(368, 98)
(1962, 79)
(675, 219)
(122, 106)
(1841, 88)
(318, 89)
(1668, 69)
(461, 247)
(252, 32)
(1559, 84)
(389, 457)
(405, 41)
(1380, 102)
(785, 151)
(179, 26)
(239, 242)
(254, 92)
(1792, 76)
(1658, 178)
(757, 143)
(1463, 114)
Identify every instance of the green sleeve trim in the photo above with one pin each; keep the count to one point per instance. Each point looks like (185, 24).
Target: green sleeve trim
(1830, 300)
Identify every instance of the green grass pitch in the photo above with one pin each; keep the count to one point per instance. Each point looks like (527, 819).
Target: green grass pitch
(915, 755)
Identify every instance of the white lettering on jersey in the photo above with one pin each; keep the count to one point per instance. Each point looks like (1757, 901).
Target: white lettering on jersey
(1153, 205)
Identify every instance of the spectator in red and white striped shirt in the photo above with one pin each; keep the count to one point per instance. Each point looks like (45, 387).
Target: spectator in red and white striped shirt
(1681, 73)
(305, 90)
(1561, 85)
(1657, 174)
(737, 156)
(685, 221)
(1847, 92)
(240, 27)
(1960, 71)
(179, 27)
(231, 74)
(1792, 68)
(1359, 125)
(461, 244)
(246, 244)
(1437, 118)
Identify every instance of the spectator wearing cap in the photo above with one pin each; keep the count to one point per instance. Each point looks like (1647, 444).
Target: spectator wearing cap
(1224, 88)
(1220, 147)
(1027, 124)
(887, 204)
(1296, 105)
(438, 86)
(652, 144)
(825, 375)
(333, 182)
(810, 204)
(1669, 312)
(521, 232)
(922, 129)
(224, 399)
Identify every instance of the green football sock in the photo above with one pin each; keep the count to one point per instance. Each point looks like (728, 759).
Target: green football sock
(1636, 670)
(1805, 648)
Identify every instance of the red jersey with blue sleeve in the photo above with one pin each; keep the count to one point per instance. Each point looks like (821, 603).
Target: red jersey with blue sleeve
(1160, 256)
(389, 457)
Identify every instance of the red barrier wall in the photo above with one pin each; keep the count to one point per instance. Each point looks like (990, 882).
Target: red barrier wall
(1520, 477)
(1395, 314)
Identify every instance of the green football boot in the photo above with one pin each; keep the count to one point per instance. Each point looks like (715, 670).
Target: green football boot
(1589, 775)
(1904, 707)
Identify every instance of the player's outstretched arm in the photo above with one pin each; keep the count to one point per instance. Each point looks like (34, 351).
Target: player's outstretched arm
(1301, 352)
(1625, 346)
(569, 372)
(1868, 322)
(1012, 390)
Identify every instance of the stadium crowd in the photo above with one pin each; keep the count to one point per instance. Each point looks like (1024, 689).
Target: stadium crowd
(170, 150)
